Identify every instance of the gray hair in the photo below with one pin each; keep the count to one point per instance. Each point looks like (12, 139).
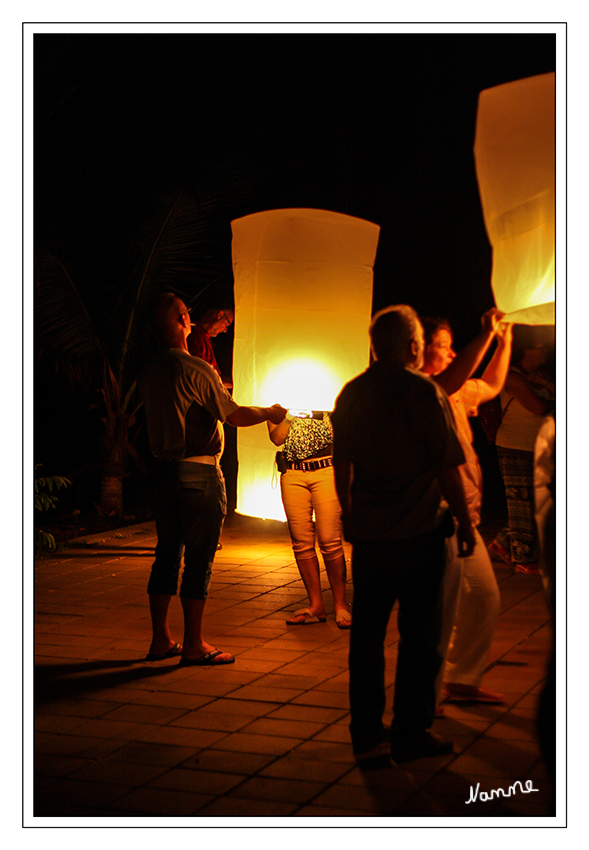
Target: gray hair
(165, 313)
(392, 331)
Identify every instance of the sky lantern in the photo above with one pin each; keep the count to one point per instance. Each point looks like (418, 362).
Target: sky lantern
(303, 300)
(515, 164)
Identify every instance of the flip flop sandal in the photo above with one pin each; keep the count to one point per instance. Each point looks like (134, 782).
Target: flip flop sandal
(173, 652)
(308, 618)
(208, 660)
(343, 620)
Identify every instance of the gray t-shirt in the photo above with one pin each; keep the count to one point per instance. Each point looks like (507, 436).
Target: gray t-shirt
(185, 404)
(396, 428)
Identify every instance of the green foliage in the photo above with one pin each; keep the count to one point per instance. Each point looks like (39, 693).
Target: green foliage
(44, 487)
(44, 501)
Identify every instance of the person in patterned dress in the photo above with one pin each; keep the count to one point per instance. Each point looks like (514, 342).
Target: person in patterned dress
(307, 486)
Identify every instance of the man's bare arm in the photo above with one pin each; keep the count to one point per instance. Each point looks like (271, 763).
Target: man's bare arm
(243, 417)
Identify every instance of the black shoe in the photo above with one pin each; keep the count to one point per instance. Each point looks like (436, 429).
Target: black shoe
(426, 744)
(376, 758)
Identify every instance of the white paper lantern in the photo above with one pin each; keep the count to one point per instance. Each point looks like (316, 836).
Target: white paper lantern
(303, 300)
(515, 155)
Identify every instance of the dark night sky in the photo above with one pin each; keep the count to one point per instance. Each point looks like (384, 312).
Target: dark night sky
(375, 126)
(379, 126)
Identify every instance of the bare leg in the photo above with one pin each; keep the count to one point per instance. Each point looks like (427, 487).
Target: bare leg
(194, 643)
(309, 570)
(162, 641)
(336, 573)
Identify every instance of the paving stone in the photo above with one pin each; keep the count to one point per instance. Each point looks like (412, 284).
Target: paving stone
(362, 799)
(289, 767)
(146, 713)
(183, 737)
(228, 761)
(198, 781)
(222, 721)
(47, 764)
(314, 811)
(162, 802)
(144, 752)
(57, 723)
(285, 728)
(78, 793)
(309, 713)
(283, 790)
(113, 771)
(262, 694)
(235, 807)
(257, 744)
(168, 699)
(267, 737)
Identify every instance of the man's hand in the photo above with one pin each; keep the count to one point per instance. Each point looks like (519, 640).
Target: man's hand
(490, 320)
(276, 414)
(466, 540)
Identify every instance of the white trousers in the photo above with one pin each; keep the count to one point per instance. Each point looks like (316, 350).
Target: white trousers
(470, 600)
(308, 494)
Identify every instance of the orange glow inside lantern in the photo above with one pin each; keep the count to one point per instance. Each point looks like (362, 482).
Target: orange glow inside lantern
(515, 163)
(303, 299)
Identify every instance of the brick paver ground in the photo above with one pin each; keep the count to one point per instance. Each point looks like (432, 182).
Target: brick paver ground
(119, 738)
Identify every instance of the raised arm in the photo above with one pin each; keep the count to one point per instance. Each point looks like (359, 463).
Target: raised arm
(496, 372)
(468, 360)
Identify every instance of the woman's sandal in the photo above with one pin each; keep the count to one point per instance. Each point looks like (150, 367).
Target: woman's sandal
(304, 617)
(343, 619)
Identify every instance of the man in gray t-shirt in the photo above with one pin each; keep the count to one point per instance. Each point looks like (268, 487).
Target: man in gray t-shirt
(185, 406)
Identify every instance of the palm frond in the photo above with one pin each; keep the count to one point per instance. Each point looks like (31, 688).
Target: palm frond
(186, 242)
(65, 332)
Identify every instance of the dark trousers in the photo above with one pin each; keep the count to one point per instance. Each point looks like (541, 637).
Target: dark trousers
(409, 571)
(190, 507)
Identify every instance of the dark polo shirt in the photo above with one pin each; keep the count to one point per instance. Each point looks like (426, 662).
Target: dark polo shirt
(396, 428)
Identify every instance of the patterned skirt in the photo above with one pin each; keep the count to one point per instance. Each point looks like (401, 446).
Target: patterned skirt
(517, 470)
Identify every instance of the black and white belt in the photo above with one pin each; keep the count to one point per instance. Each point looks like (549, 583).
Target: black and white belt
(309, 465)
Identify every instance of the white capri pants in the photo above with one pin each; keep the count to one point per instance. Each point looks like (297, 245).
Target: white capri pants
(303, 493)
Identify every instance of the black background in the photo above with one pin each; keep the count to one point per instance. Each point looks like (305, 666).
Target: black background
(379, 126)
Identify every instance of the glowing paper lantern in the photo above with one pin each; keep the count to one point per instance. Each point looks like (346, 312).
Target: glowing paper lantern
(303, 299)
(515, 153)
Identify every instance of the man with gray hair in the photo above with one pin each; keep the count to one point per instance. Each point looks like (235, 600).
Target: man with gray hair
(185, 405)
(396, 455)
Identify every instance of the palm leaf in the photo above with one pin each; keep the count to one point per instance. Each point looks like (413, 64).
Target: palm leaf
(65, 332)
(185, 242)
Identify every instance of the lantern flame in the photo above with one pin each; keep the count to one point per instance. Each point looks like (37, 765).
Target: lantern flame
(303, 384)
